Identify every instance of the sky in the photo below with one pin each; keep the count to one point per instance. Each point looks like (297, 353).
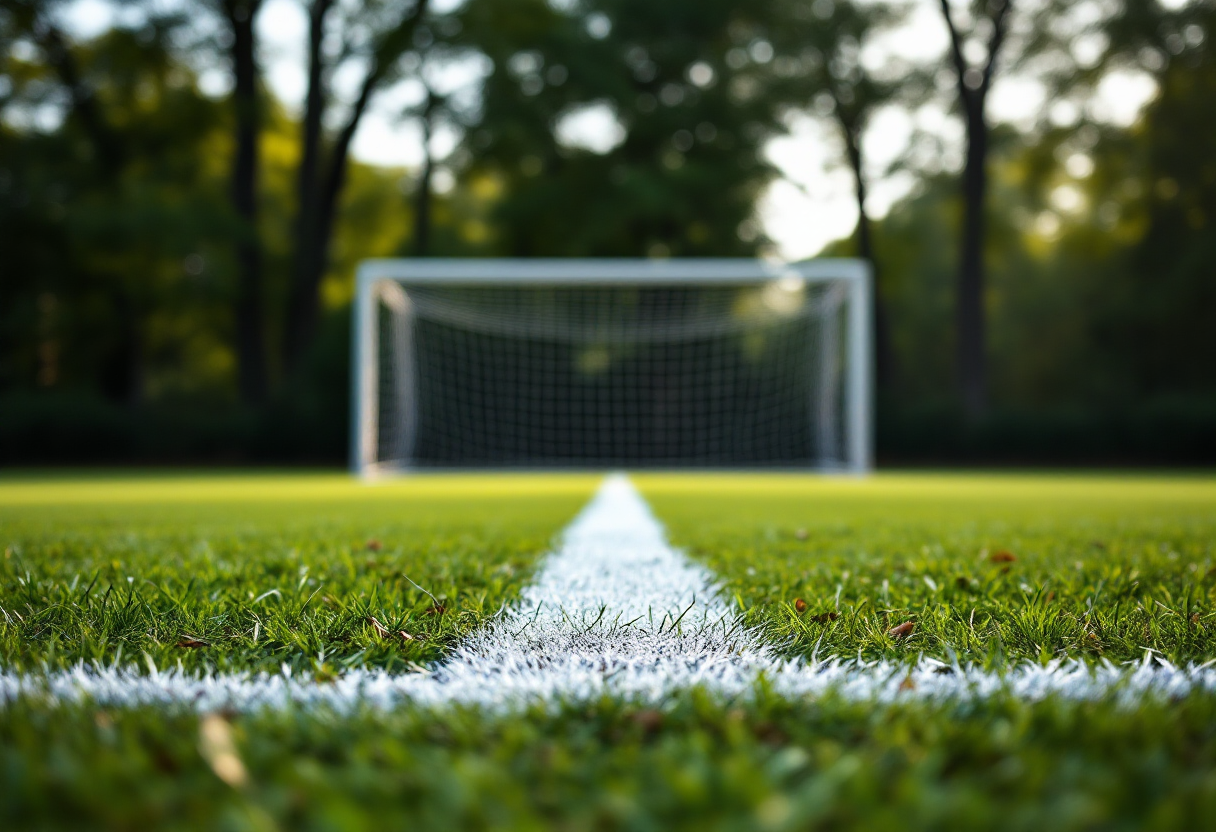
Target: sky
(811, 204)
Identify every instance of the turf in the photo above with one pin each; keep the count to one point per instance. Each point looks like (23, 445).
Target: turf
(696, 765)
(987, 569)
(274, 569)
(251, 573)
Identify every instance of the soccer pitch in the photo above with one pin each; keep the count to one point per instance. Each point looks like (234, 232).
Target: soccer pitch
(912, 651)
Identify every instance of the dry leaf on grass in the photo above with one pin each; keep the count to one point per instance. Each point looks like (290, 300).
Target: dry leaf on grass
(385, 632)
(381, 630)
(374, 545)
(219, 750)
(902, 630)
(649, 720)
(825, 617)
(1003, 556)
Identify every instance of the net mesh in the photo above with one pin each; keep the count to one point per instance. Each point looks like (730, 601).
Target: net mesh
(682, 375)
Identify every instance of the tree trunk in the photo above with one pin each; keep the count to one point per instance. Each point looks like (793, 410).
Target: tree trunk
(250, 311)
(972, 364)
(306, 291)
(122, 374)
(301, 299)
(884, 354)
(319, 198)
(422, 196)
(973, 86)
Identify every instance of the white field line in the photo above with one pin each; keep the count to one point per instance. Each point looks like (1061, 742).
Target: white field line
(614, 612)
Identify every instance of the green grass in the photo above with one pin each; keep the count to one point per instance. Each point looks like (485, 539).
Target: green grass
(253, 572)
(696, 765)
(115, 567)
(1103, 567)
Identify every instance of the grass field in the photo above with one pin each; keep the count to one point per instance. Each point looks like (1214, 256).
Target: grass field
(248, 573)
(990, 569)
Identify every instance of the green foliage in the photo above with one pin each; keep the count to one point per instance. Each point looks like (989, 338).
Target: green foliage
(692, 104)
(120, 276)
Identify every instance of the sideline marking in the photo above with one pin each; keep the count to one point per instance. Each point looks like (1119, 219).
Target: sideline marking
(614, 611)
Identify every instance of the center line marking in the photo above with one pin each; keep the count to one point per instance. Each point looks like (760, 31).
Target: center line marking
(614, 611)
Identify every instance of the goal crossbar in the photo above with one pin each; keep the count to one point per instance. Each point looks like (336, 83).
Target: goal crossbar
(383, 281)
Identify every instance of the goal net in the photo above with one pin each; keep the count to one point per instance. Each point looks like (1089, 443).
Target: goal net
(606, 363)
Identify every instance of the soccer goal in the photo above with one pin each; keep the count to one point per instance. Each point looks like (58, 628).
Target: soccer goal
(554, 363)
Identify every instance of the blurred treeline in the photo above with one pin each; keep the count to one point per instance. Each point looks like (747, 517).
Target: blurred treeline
(177, 246)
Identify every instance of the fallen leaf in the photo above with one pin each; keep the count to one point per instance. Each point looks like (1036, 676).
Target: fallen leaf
(381, 630)
(192, 642)
(902, 630)
(219, 750)
(769, 733)
(649, 720)
(799, 605)
(1003, 556)
(405, 636)
(825, 617)
(374, 545)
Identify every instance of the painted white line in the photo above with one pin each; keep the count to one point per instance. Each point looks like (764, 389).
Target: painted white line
(614, 612)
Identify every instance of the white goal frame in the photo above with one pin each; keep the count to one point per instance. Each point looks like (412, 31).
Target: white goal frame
(382, 281)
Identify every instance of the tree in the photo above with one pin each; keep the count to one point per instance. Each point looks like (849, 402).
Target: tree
(827, 39)
(37, 21)
(240, 16)
(111, 202)
(379, 33)
(973, 82)
(624, 127)
(36, 18)
(438, 48)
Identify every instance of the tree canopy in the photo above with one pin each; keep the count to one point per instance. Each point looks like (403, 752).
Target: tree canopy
(174, 245)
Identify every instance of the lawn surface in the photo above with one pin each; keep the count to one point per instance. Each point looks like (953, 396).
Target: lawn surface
(988, 569)
(254, 572)
(250, 572)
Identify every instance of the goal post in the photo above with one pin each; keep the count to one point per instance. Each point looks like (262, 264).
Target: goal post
(592, 363)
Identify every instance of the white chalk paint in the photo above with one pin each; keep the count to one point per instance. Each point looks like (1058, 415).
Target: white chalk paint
(615, 611)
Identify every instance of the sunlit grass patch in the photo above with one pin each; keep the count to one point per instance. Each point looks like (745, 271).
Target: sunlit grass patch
(229, 572)
(985, 568)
